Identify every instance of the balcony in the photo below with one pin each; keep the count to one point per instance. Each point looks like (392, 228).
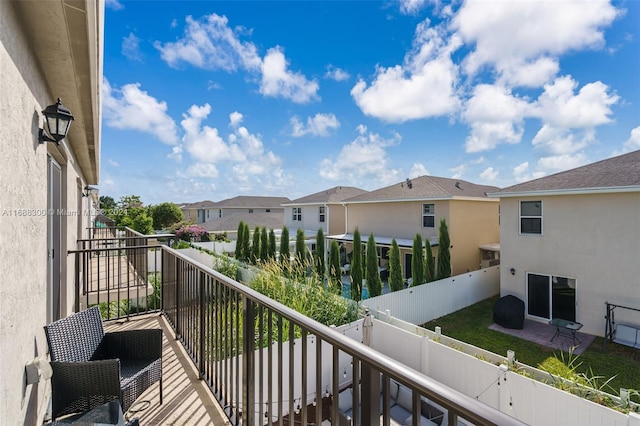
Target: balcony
(211, 321)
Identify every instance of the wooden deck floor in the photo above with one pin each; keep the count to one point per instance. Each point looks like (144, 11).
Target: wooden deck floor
(186, 400)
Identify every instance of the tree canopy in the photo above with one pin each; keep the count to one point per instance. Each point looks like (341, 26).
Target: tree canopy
(166, 214)
(444, 256)
(395, 268)
(356, 267)
(417, 262)
(374, 283)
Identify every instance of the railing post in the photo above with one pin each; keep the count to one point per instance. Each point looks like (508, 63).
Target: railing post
(77, 289)
(248, 367)
(201, 301)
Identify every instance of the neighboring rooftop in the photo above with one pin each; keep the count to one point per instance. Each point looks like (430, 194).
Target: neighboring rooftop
(424, 188)
(616, 172)
(229, 223)
(250, 201)
(329, 196)
(198, 205)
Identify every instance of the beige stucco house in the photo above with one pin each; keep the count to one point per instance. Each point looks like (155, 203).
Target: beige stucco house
(571, 242)
(322, 210)
(50, 49)
(198, 212)
(416, 206)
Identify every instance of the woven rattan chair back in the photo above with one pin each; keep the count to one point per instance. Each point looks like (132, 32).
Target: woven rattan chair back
(77, 337)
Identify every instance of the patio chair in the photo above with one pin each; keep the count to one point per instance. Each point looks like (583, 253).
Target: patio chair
(91, 368)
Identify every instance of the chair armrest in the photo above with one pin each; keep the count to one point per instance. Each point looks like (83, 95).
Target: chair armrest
(133, 344)
(80, 386)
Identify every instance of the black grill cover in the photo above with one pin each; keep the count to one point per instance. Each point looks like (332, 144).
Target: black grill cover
(508, 311)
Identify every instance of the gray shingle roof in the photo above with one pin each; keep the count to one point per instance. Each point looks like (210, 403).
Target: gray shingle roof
(230, 222)
(242, 201)
(424, 188)
(620, 171)
(197, 205)
(331, 195)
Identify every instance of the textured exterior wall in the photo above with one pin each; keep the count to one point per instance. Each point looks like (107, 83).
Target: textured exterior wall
(23, 237)
(24, 217)
(336, 219)
(594, 239)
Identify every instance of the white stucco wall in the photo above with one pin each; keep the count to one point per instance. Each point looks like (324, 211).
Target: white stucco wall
(310, 219)
(594, 239)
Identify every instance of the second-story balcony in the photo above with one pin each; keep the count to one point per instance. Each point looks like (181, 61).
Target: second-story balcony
(298, 372)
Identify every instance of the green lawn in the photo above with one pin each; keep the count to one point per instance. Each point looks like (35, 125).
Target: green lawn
(471, 324)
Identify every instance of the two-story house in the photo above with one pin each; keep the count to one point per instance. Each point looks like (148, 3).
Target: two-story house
(49, 50)
(571, 241)
(260, 211)
(416, 206)
(322, 210)
(198, 212)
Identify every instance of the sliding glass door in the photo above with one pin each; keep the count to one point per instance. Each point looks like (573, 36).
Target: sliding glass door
(551, 297)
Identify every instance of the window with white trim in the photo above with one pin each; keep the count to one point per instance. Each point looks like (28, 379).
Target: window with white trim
(297, 214)
(531, 217)
(321, 214)
(428, 215)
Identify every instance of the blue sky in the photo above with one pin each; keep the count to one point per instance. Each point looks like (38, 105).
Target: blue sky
(206, 100)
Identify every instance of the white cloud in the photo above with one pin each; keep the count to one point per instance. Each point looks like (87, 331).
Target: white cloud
(560, 107)
(113, 163)
(424, 86)
(318, 125)
(113, 4)
(337, 74)
(495, 116)
(130, 108)
(211, 44)
(633, 143)
(204, 143)
(235, 118)
(412, 7)
(176, 153)
(131, 47)
(278, 81)
(418, 169)
(559, 163)
(552, 29)
(458, 171)
(520, 173)
(203, 170)
(365, 159)
(489, 175)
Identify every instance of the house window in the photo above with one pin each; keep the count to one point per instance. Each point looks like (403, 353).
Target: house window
(268, 210)
(297, 214)
(250, 210)
(531, 217)
(321, 211)
(428, 215)
(220, 213)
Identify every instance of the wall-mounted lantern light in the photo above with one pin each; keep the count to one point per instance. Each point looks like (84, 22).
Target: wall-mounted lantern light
(513, 271)
(89, 190)
(57, 121)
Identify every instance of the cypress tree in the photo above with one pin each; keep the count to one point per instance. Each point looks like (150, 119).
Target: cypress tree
(319, 256)
(272, 244)
(395, 269)
(300, 254)
(356, 267)
(335, 273)
(444, 257)
(374, 283)
(255, 247)
(240, 242)
(285, 254)
(417, 262)
(429, 264)
(264, 244)
(246, 244)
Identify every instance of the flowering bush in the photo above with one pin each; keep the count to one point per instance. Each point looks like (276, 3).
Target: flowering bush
(190, 232)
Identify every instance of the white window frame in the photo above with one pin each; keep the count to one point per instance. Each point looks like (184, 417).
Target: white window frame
(322, 214)
(550, 278)
(427, 214)
(521, 216)
(296, 214)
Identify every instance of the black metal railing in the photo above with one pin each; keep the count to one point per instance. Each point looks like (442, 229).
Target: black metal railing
(296, 367)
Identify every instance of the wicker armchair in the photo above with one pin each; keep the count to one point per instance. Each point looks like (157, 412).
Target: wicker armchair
(91, 368)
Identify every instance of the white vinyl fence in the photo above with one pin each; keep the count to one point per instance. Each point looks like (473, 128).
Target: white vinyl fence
(425, 302)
